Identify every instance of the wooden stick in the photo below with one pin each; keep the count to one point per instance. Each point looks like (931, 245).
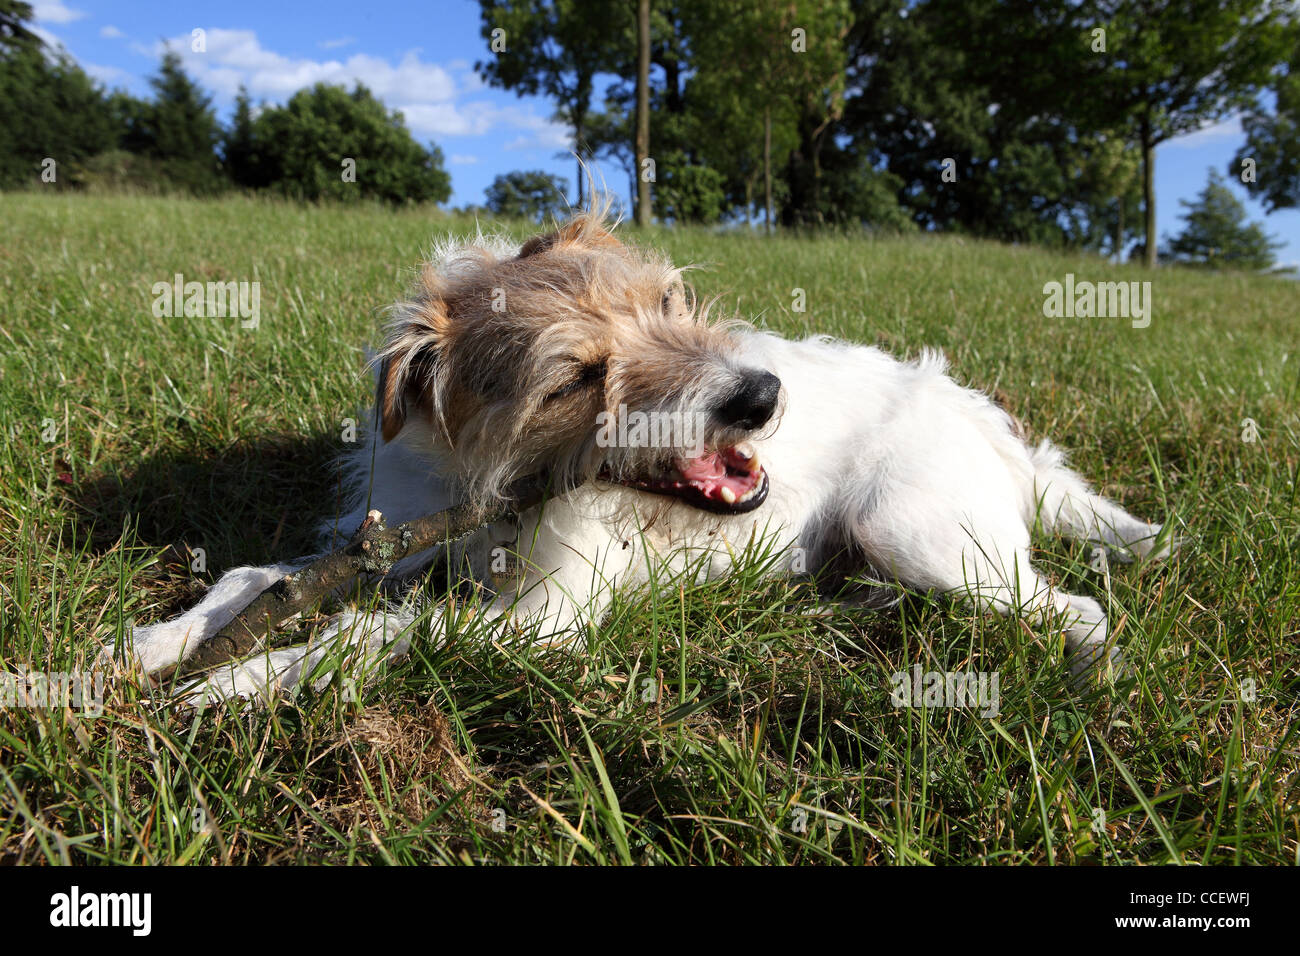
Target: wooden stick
(373, 549)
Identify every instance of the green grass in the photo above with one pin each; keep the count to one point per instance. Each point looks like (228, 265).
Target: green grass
(770, 736)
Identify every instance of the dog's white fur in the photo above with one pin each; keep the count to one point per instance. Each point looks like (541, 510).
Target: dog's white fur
(923, 480)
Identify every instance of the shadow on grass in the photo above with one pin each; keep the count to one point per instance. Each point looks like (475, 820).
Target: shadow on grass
(251, 502)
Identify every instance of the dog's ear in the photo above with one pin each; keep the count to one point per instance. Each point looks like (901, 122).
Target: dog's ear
(403, 386)
(408, 364)
(586, 229)
(390, 398)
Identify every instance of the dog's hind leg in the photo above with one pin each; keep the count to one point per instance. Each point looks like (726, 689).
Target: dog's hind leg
(1067, 506)
(981, 555)
(166, 643)
(1021, 591)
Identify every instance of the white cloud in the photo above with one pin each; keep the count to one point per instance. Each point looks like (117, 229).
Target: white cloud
(546, 135)
(459, 159)
(427, 94)
(108, 75)
(111, 32)
(1215, 133)
(53, 11)
(235, 56)
(46, 37)
(335, 44)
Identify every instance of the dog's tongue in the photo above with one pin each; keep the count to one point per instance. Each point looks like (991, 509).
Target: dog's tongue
(705, 468)
(709, 473)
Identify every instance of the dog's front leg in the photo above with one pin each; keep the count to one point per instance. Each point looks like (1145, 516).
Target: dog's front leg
(357, 641)
(167, 643)
(558, 597)
(354, 641)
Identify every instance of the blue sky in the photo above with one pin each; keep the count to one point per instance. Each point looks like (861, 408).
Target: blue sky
(419, 57)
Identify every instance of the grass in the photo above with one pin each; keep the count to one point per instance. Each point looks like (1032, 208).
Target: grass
(705, 724)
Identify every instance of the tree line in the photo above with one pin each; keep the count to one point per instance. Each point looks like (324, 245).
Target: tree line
(57, 126)
(1019, 120)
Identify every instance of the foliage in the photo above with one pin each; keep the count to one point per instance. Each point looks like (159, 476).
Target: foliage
(49, 108)
(328, 143)
(1273, 142)
(533, 196)
(1217, 235)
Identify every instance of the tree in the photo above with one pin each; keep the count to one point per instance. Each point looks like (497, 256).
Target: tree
(642, 112)
(1171, 66)
(239, 147)
(814, 76)
(688, 192)
(611, 135)
(765, 88)
(673, 126)
(179, 127)
(532, 195)
(1217, 235)
(556, 48)
(49, 107)
(327, 143)
(1269, 163)
(14, 32)
(974, 134)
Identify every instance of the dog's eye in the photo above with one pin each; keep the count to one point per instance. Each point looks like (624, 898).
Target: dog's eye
(590, 374)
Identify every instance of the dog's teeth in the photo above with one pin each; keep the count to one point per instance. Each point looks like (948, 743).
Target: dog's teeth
(748, 454)
(728, 495)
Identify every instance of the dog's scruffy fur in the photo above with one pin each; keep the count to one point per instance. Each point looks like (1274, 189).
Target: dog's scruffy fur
(499, 367)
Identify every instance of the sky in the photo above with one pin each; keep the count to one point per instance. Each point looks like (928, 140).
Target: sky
(419, 57)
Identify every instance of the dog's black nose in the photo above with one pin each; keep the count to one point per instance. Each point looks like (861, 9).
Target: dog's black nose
(753, 403)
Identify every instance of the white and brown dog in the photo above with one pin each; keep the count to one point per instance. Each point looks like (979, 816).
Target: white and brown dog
(677, 442)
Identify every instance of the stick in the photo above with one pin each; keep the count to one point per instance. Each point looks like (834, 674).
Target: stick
(373, 549)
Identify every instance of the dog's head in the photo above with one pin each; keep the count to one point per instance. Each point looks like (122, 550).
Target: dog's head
(582, 358)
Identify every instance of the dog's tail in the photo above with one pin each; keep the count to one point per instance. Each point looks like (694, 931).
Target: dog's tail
(1067, 506)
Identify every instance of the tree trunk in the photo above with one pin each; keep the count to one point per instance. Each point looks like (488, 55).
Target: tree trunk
(767, 168)
(1119, 228)
(818, 137)
(1149, 192)
(642, 112)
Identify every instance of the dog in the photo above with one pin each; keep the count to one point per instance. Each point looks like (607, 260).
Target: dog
(674, 441)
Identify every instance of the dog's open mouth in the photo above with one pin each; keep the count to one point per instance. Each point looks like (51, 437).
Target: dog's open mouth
(727, 480)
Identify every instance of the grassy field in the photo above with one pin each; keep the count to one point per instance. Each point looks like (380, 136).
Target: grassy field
(771, 737)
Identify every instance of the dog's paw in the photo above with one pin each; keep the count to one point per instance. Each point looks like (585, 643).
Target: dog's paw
(155, 646)
(259, 681)
(1161, 545)
(1094, 661)
(353, 641)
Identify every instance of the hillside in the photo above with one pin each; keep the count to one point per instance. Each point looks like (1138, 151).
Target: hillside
(129, 436)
